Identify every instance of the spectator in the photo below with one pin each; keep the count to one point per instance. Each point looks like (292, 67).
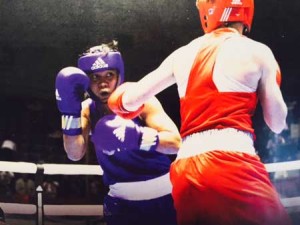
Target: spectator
(50, 188)
(25, 189)
(6, 184)
(8, 149)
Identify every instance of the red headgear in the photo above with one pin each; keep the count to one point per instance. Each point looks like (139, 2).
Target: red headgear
(214, 13)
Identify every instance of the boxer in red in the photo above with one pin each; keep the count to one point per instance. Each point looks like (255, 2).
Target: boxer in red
(217, 177)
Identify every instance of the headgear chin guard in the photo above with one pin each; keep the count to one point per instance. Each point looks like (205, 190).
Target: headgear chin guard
(101, 58)
(215, 13)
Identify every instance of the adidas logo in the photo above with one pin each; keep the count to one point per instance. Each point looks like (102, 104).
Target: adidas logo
(57, 96)
(226, 14)
(98, 64)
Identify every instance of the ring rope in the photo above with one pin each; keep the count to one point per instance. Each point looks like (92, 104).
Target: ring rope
(97, 210)
(83, 169)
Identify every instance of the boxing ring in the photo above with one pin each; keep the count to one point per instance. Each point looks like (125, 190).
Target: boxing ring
(279, 171)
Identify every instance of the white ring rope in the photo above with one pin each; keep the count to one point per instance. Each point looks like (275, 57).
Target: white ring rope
(97, 210)
(283, 166)
(53, 210)
(71, 210)
(18, 167)
(82, 169)
(18, 208)
(51, 169)
(66, 169)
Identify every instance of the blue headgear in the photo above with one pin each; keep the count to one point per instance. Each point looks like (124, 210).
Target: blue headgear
(102, 58)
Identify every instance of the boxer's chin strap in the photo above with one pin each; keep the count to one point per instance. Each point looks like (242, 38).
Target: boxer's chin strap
(91, 94)
(149, 139)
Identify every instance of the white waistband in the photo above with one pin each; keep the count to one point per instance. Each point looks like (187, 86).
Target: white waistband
(228, 139)
(142, 190)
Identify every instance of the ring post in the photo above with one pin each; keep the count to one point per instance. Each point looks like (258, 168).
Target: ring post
(39, 195)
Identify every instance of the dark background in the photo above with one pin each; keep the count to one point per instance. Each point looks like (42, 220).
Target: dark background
(40, 37)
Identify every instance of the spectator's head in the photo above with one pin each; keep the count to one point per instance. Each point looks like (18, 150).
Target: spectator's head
(8, 150)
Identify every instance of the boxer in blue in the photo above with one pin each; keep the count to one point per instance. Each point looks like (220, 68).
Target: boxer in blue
(133, 153)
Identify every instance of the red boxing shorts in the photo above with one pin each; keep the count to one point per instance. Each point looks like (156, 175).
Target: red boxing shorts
(218, 188)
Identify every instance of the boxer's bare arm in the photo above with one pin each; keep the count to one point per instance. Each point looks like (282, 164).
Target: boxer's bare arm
(76, 146)
(156, 118)
(150, 85)
(272, 102)
(252, 66)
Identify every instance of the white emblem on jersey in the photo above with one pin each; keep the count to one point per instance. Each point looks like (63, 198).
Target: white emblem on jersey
(106, 152)
(121, 125)
(120, 133)
(98, 64)
(236, 2)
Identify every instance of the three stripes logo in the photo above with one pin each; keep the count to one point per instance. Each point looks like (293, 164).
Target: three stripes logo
(226, 14)
(70, 122)
(227, 11)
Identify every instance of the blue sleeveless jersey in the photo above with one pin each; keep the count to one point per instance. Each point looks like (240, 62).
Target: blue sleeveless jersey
(129, 166)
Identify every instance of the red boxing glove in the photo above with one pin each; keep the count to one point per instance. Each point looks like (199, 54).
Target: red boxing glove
(116, 105)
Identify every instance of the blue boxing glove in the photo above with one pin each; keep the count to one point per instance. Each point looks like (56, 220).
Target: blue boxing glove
(70, 86)
(113, 133)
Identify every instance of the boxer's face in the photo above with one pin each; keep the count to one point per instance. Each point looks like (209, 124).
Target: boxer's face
(103, 84)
